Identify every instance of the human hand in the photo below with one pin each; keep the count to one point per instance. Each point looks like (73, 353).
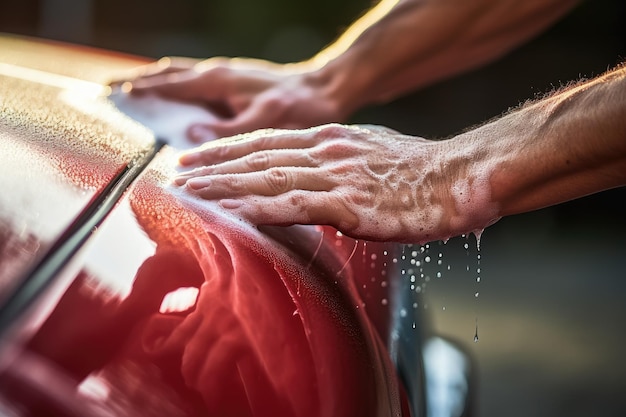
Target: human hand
(249, 94)
(368, 182)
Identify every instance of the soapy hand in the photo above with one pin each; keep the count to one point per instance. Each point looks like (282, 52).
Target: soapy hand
(368, 182)
(249, 93)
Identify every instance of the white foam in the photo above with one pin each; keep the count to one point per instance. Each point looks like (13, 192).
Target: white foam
(169, 120)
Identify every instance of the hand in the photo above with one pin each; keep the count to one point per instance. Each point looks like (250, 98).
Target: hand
(368, 182)
(250, 94)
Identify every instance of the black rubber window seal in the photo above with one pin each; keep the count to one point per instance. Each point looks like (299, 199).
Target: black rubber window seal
(43, 273)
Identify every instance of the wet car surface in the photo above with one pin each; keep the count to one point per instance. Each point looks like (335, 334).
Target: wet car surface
(121, 294)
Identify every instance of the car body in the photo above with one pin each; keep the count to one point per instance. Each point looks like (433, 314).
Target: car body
(122, 294)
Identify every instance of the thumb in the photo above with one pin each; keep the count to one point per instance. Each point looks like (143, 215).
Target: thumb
(252, 118)
(202, 132)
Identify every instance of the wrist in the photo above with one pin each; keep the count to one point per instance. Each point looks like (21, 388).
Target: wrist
(467, 165)
(342, 80)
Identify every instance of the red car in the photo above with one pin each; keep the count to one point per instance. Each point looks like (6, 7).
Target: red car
(123, 295)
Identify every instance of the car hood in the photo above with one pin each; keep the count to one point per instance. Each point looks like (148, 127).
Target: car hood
(286, 321)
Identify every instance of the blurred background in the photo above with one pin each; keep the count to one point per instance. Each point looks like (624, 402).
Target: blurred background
(551, 304)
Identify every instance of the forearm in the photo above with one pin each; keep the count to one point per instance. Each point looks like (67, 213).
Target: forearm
(560, 148)
(403, 45)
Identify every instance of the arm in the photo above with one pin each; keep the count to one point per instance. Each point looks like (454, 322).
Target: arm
(377, 184)
(402, 45)
(397, 47)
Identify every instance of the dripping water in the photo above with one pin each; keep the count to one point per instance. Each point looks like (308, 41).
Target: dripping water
(476, 331)
(356, 244)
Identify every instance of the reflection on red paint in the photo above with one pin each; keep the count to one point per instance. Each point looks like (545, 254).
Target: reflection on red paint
(286, 321)
(274, 331)
(283, 322)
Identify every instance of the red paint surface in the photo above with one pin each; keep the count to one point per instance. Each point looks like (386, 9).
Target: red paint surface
(276, 330)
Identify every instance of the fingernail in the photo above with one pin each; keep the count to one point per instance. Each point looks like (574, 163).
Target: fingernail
(230, 204)
(181, 179)
(198, 183)
(188, 158)
(200, 133)
(126, 87)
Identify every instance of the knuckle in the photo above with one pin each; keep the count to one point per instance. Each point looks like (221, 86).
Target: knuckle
(334, 130)
(258, 161)
(335, 149)
(217, 154)
(279, 180)
(347, 219)
(233, 183)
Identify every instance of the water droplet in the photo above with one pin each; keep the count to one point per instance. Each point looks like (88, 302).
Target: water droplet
(466, 246)
(443, 308)
(427, 259)
(403, 313)
(477, 279)
(394, 260)
(476, 295)
(384, 301)
(373, 256)
(414, 253)
(438, 274)
(415, 305)
(476, 331)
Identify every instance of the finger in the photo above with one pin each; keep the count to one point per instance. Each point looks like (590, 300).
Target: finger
(241, 145)
(266, 110)
(272, 182)
(296, 207)
(168, 65)
(250, 119)
(184, 85)
(257, 161)
(162, 66)
(201, 133)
